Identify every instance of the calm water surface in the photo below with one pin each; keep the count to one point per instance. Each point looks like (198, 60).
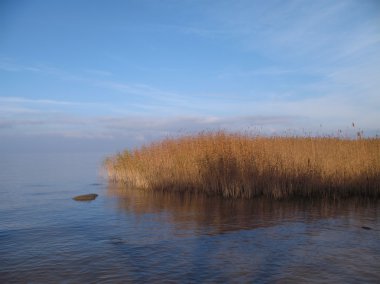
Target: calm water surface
(132, 236)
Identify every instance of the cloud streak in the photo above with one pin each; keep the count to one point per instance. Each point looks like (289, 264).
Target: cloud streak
(248, 64)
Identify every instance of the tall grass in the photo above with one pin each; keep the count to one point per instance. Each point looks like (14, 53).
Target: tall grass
(239, 165)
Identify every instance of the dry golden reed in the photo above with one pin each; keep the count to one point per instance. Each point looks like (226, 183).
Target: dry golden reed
(239, 165)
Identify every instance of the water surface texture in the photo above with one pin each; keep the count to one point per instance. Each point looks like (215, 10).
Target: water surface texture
(129, 235)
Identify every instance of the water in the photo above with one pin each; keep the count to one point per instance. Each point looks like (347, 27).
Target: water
(133, 236)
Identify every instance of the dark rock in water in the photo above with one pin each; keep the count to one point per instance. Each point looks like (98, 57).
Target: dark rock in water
(366, 228)
(85, 197)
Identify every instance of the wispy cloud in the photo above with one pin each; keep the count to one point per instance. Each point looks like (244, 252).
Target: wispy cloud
(314, 31)
(8, 65)
(138, 127)
(20, 100)
(87, 78)
(291, 64)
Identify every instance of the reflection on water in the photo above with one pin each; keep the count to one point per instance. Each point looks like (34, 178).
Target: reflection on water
(263, 239)
(138, 236)
(204, 214)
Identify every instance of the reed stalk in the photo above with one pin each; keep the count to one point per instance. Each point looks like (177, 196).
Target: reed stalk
(240, 165)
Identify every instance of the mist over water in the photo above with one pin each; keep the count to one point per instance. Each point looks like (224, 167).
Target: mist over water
(130, 235)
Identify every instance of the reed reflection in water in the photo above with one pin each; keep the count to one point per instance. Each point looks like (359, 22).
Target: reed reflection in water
(260, 239)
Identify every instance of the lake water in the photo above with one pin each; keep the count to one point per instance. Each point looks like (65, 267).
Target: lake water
(133, 236)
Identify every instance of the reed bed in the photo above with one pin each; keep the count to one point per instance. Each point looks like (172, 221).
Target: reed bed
(240, 165)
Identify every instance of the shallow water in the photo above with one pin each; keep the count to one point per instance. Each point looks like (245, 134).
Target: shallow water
(45, 236)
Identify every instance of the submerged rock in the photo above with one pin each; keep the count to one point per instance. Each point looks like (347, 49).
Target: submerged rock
(85, 197)
(366, 228)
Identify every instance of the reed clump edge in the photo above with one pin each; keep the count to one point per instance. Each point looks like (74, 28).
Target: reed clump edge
(239, 165)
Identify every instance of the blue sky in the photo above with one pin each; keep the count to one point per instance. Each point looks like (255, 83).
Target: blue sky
(127, 72)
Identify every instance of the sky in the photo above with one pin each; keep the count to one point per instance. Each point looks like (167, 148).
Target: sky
(94, 74)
